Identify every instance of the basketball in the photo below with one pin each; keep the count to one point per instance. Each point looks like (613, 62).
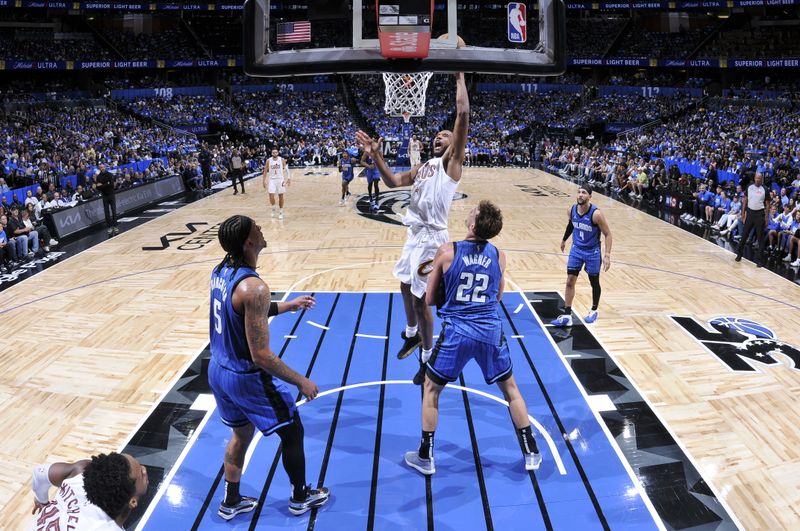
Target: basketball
(460, 41)
(744, 326)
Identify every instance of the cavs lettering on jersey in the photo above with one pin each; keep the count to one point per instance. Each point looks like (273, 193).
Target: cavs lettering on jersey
(276, 168)
(471, 285)
(586, 233)
(431, 196)
(71, 510)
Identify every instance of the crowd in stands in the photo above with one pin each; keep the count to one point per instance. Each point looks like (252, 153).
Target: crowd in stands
(167, 43)
(630, 109)
(592, 37)
(42, 45)
(755, 42)
(639, 43)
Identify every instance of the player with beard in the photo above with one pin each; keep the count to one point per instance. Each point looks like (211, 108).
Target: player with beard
(585, 224)
(433, 185)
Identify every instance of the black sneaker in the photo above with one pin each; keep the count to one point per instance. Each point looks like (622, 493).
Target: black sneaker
(245, 505)
(314, 498)
(410, 344)
(419, 378)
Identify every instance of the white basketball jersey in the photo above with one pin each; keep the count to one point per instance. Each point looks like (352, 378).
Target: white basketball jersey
(71, 510)
(415, 147)
(276, 168)
(431, 196)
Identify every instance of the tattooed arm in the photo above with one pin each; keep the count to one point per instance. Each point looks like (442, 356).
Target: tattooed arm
(251, 298)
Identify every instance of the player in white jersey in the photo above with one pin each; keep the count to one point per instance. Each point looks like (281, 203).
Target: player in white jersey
(414, 150)
(93, 495)
(275, 179)
(433, 185)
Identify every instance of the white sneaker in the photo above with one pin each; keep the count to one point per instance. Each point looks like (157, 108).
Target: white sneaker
(532, 461)
(341, 202)
(273, 213)
(423, 466)
(53, 241)
(787, 258)
(796, 263)
(562, 320)
(280, 214)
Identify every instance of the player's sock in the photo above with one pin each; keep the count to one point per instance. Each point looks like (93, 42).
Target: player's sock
(299, 492)
(232, 496)
(526, 440)
(426, 355)
(411, 331)
(568, 310)
(426, 445)
(594, 307)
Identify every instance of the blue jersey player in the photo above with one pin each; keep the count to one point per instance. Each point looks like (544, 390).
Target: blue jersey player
(373, 178)
(585, 224)
(346, 169)
(245, 374)
(466, 284)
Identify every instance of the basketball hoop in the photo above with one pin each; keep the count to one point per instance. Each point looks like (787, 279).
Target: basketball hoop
(405, 94)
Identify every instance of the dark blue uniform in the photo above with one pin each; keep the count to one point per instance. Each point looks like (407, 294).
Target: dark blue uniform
(372, 173)
(243, 391)
(471, 326)
(346, 167)
(585, 250)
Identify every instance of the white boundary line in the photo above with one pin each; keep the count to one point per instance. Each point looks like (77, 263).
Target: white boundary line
(168, 480)
(323, 327)
(370, 336)
(637, 484)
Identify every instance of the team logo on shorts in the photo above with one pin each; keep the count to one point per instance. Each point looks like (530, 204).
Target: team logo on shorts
(391, 206)
(741, 344)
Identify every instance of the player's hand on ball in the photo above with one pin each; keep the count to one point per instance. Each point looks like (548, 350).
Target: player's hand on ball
(308, 389)
(304, 302)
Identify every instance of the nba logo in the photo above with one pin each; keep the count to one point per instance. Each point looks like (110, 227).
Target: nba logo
(517, 28)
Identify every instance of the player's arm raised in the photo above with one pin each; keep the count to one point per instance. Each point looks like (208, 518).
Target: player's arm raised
(392, 180)
(600, 221)
(252, 297)
(453, 159)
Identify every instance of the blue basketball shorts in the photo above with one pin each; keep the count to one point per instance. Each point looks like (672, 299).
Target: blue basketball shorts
(590, 259)
(251, 398)
(453, 350)
(347, 179)
(373, 176)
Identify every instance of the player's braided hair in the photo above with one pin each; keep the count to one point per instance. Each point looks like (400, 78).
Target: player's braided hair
(232, 234)
(489, 221)
(108, 483)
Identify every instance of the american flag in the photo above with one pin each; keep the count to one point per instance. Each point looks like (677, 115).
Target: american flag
(294, 32)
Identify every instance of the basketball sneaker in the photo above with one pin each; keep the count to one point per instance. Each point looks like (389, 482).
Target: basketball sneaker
(590, 317)
(280, 214)
(245, 505)
(423, 466)
(314, 498)
(410, 344)
(532, 461)
(562, 320)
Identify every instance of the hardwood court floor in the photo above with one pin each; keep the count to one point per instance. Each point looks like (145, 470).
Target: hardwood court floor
(90, 344)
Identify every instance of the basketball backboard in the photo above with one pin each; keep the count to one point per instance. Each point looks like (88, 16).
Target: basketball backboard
(341, 36)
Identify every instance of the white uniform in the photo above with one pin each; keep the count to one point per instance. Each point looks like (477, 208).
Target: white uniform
(71, 510)
(413, 154)
(275, 175)
(426, 218)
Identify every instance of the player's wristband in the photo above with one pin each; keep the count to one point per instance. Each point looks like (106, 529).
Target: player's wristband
(273, 309)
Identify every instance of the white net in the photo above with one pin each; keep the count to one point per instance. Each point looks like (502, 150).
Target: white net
(405, 93)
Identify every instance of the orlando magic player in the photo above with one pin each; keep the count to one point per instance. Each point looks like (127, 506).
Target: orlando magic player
(245, 374)
(276, 172)
(433, 185)
(466, 284)
(373, 178)
(346, 169)
(585, 224)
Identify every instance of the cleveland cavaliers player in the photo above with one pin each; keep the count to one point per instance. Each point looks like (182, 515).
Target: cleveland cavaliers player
(433, 185)
(276, 172)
